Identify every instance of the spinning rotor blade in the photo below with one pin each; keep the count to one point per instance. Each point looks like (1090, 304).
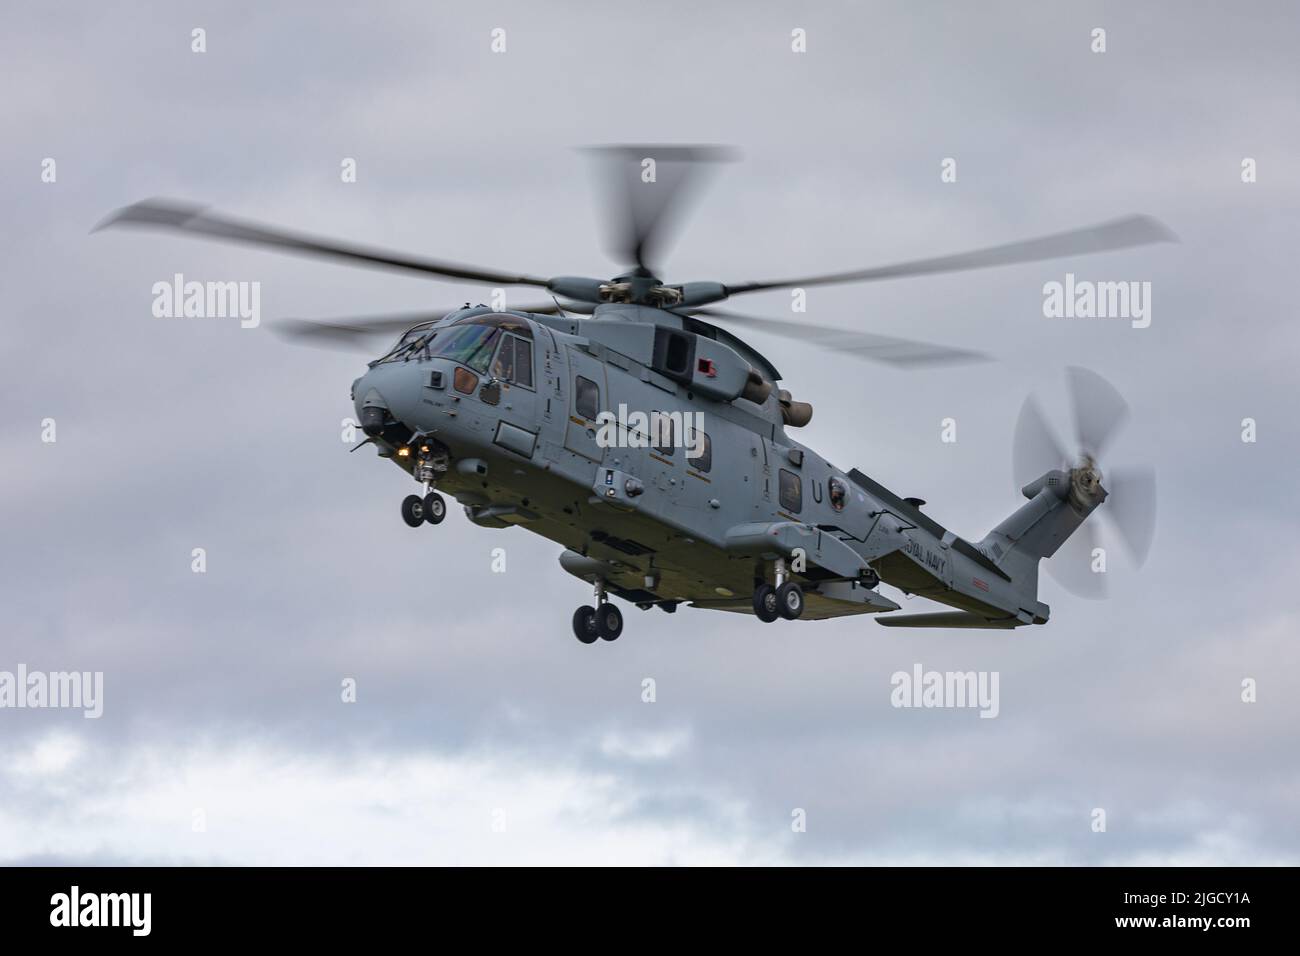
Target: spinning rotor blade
(904, 353)
(359, 332)
(1098, 408)
(357, 336)
(646, 212)
(1071, 566)
(171, 216)
(1034, 449)
(1116, 234)
(1131, 507)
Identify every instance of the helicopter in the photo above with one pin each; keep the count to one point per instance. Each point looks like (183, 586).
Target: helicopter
(624, 422)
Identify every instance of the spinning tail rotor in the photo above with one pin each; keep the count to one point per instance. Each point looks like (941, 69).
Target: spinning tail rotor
(1098, 413)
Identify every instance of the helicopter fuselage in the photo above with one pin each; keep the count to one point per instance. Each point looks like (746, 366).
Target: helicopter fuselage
(519, 425)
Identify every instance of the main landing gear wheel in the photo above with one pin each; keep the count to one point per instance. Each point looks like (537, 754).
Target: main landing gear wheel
(609, 622)
(584, 624)
(789, 601)
(765, 606)
(435, 508)
(413, 510)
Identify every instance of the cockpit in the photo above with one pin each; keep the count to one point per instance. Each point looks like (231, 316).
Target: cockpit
(470, 341)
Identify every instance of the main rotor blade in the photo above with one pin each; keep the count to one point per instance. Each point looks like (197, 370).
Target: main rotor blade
(1098, 409)
(167, 215)
(647, 201)
(1071, 566)
(1116, 234)
(1131, 506)
(1034, 449)
(903, 353)
(334, 335)
(359, 332)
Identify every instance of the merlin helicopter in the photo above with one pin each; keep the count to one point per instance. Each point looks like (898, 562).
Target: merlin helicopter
(624, 422)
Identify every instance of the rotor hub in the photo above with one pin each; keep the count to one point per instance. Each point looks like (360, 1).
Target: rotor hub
(640, 288)
(1085, 482)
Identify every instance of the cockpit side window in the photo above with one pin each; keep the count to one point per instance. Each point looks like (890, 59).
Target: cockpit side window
(504, 366)
(524, 363)
(514, 362)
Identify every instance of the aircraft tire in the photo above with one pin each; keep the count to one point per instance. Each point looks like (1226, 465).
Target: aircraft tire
(609, 622)
(789, 601)
(765, 606)
(413, 510)
(584, 624)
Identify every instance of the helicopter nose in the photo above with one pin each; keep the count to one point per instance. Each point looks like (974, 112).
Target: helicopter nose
(370, 405)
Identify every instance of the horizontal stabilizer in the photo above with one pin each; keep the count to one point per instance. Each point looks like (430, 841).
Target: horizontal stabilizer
(949, 619)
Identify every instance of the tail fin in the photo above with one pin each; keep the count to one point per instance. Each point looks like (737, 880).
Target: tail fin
(1059, 502)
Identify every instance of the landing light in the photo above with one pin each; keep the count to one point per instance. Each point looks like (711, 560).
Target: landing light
(403, 452)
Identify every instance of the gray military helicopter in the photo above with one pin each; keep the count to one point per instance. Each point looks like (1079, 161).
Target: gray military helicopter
(655, 447)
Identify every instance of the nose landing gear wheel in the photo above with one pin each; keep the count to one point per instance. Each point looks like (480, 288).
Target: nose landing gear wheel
(584, 624)
(435, 508)
(413, 510)
(789, 601)
(609, 622)
(765, 606)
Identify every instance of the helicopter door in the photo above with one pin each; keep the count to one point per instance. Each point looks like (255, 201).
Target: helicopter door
(588, 396)
(514, 394)
(761, 475)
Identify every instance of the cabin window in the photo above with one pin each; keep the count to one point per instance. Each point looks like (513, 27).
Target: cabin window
(791, 492)
(663, 433)
(700, 442)
(586, 398)
(839, 494)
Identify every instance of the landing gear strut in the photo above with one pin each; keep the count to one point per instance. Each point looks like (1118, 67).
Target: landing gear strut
(604, 621)
(785, 600)
(429, 507)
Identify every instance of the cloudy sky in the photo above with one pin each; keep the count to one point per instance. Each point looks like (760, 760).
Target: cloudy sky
(482, 731)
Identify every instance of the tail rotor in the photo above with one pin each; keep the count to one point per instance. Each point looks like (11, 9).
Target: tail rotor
(1098, 413)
